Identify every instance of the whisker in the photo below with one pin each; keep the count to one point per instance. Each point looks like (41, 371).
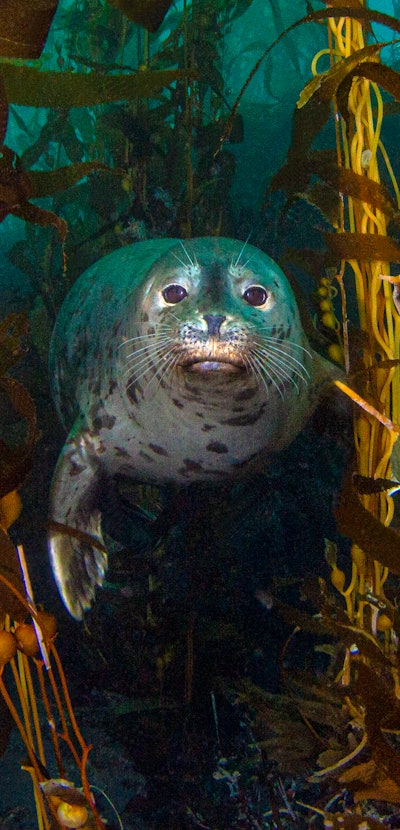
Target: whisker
(175, 317)
(138, 377)
(269, 358)
(247, 261)
(139, 369)
(135, 365)
(284, 368)
(168, 367)
(163, 327)
(194, 263)
(277, 356)
(251, 369)
(184, 264)
(263, 370)
(282, 373)
(146, 361)
(262, 373)
(149, 346)
(286, 343)
(161, 368)
(235, 264)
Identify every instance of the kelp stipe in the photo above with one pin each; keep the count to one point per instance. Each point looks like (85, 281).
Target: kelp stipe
(28, 648)
(362, 242)
(350, 195)
(31, 673)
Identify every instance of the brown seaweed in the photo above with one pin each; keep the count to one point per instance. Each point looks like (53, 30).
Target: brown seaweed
(24, 27)
(147, 13)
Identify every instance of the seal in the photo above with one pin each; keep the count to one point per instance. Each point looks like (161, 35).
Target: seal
(176, 363)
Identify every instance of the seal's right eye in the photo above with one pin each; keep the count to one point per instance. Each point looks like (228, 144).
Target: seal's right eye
(174, 293)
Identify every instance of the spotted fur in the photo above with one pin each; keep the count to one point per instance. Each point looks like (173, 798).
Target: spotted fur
(166, 367)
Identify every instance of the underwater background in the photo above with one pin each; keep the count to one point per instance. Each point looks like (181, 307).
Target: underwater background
(198, 676)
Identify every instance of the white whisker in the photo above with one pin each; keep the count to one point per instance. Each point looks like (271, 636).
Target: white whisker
(149, 346)
(194, 263)
(287, 344)
(162, 367)
(184, 264)
(147, 361)
(263, 370)
(245, 264)
(236, 263)
(168, 367)
(278, 357)
(163, 327)
(280, 370)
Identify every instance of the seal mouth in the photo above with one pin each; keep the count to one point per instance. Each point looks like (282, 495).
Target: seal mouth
(222, 364)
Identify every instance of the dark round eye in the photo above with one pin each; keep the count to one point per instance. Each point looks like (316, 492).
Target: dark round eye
(174, 293)
(255, 295)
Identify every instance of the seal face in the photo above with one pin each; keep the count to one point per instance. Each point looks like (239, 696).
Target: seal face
(173, 363)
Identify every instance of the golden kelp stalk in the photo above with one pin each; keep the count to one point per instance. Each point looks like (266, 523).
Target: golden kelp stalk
(28, 651)
(350, 193)
(362, 242)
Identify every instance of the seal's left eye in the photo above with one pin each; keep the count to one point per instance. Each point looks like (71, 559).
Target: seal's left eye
(255, 295)
(174, 293)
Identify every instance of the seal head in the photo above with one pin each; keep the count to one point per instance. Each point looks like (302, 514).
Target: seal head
(173, 363)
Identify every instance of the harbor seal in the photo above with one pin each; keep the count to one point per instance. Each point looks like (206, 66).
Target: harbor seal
(170, 362)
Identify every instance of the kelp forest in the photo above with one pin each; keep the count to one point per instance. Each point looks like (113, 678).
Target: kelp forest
(241, 669)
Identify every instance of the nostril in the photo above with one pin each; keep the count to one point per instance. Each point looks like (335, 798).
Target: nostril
(214, 323)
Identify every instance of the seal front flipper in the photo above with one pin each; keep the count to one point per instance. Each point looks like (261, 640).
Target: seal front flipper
(78, 561)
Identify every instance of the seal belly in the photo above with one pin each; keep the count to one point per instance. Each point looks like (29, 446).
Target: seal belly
(170, 362)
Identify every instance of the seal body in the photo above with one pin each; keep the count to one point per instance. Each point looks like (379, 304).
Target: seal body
(170, 362)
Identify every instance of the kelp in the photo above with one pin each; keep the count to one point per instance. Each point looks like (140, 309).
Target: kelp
(13, 333)
(367, 484)
(345, 821)
(37, 674)
(164, 137)
(367, 781)
(363, 247)
(15, 192)
(16, 461)
(21, 84)
(378, 73)
(291, 728)
(110, 82)
(19, 186)
(147, 13)
(301, 165)
(357, 12)
(47, 182)
(359, 244)
(326, 84)
(16, 456)
(9, 568)
(351, 196)
(382, 712)
(3, 111)
(24, 26)
(354, 520)
(28, 86)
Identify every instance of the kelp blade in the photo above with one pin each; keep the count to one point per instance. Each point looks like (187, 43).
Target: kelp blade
(27, 86)
(147, 13)
(24, 26)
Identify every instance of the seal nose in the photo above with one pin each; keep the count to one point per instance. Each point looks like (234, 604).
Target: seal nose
(214, 323)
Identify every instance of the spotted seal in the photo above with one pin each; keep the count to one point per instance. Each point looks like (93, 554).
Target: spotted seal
(172, 362)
